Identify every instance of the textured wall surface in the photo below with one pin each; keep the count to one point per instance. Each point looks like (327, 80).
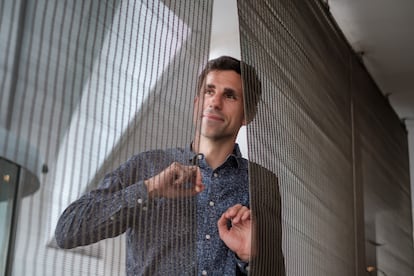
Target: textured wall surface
(337, 147)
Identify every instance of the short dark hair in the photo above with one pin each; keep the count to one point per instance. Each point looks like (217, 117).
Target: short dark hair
(252, 88)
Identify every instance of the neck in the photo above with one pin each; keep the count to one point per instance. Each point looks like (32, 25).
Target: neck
(214, 151)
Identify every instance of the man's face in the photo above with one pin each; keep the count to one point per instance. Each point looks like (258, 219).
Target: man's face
(219, 111)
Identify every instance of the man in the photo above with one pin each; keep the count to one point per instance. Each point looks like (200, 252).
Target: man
(185, 211)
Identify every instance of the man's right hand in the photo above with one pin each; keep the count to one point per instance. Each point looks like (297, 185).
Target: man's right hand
(175, 181)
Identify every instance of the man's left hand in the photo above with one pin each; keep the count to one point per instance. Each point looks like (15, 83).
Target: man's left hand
(239, 236)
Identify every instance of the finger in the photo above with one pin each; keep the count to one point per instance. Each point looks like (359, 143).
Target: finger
(241, 212)
(242, 216)
(246, 215)
(194, 174)
(186, 193)
(232, 211)
(175, 172)
(182, 174)
(189, 181)
(190, 178)
(222, 225)
(198, 184)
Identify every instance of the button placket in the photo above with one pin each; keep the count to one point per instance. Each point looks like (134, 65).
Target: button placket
(140, 201)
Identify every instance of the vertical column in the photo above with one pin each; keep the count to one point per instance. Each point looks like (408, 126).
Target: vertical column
(410, 129)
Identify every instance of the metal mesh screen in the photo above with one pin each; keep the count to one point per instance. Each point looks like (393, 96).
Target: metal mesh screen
(85, 85)
(88, 84)
(328, 134)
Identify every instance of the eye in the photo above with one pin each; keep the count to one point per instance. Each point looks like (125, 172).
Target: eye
(230, 96)
(208, 92)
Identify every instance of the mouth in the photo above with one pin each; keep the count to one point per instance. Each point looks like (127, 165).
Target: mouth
(213, 117)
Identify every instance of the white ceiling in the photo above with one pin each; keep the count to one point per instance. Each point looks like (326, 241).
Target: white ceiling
(383, 31)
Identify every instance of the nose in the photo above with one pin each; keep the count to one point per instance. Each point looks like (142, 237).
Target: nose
(215, 101)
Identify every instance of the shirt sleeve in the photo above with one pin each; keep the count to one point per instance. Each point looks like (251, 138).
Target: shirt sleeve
(107, 211)
(242, 267)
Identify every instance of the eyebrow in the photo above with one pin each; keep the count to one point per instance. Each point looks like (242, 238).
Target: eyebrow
(230, 91)
(226, 89)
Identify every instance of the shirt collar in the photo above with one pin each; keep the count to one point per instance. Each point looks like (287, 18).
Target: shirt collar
(236, 150)
(234, 158)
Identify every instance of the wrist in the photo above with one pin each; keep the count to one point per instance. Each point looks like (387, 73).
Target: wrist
(243, 257)
(243, 265)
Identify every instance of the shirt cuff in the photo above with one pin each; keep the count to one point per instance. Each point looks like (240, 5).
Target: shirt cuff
(136, 195)
(243, 266)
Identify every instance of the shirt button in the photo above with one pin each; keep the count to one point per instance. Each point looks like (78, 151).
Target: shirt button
(211, 203)
(112, 218)
(208, 236)
(215, 174)
(139, 200)
(200, 156)
(144, 208)
(204, 272)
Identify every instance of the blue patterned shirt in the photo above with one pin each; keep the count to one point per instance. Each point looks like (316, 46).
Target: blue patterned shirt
(164, 236)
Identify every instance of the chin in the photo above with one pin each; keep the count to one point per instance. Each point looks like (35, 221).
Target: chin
(213, 135)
